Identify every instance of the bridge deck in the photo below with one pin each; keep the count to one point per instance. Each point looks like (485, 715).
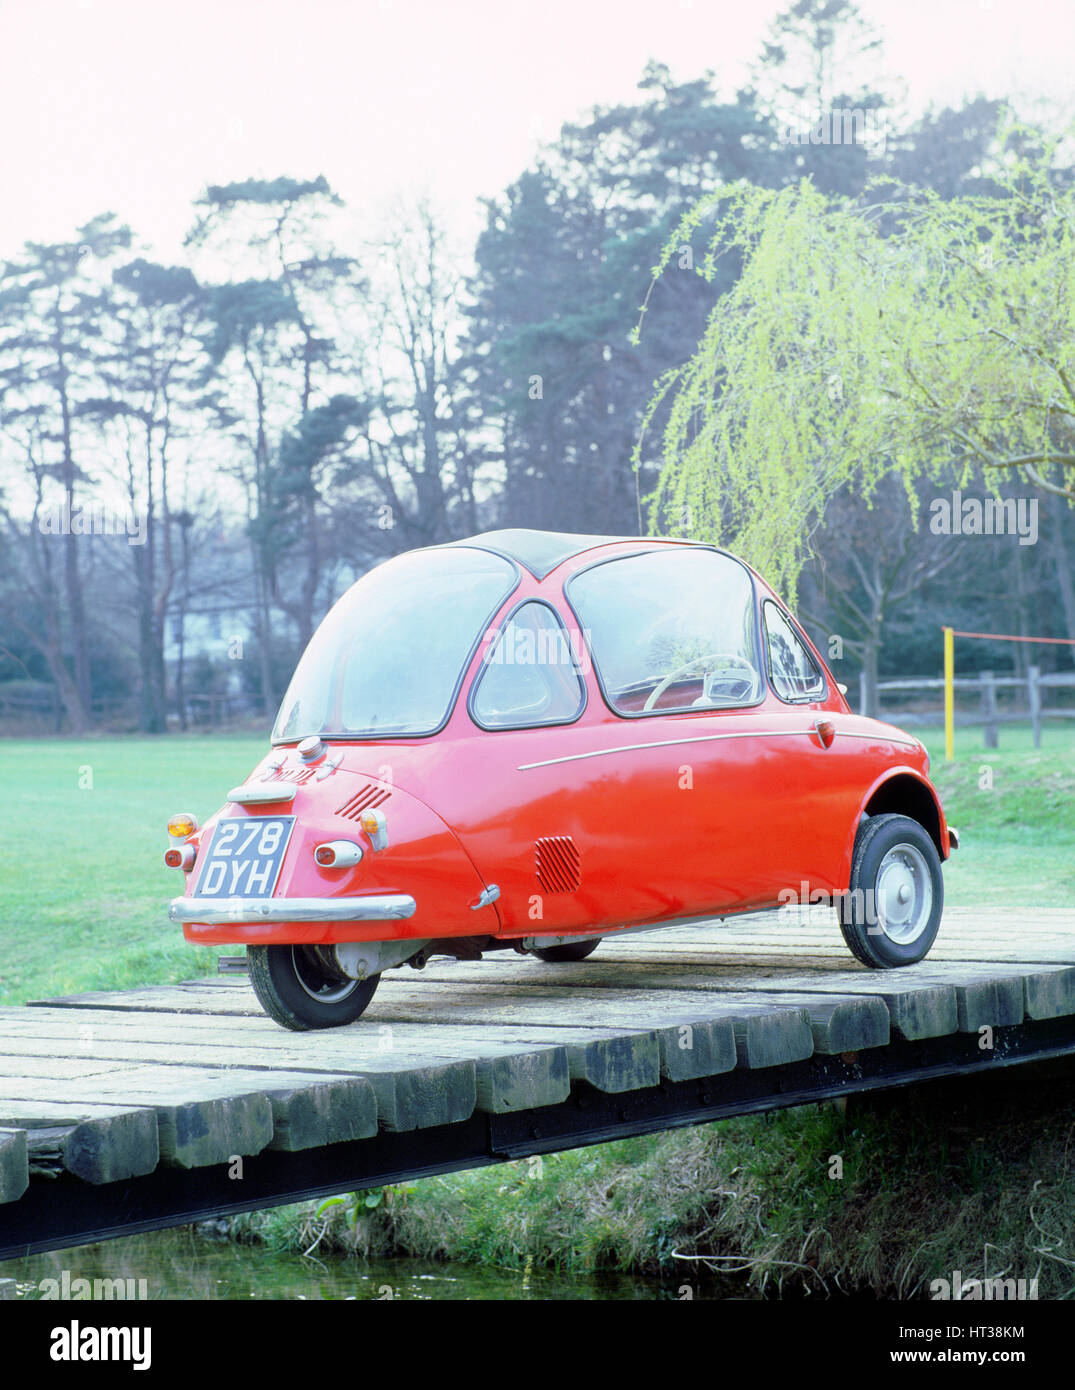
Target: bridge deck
(126, 1111)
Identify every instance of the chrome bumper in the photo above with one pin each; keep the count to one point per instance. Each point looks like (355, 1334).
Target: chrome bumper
(210, 912)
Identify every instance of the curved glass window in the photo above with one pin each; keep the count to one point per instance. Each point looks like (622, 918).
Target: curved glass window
(792, 670)
(671, 630)
(390, 654)
(530, 676)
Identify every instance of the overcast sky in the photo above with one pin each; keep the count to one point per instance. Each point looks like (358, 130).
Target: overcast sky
(133, 106)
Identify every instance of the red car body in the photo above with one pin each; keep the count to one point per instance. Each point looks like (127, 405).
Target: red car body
(614, 817)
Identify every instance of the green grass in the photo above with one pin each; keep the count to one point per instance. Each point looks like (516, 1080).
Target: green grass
(1015, 810)
(83, 886)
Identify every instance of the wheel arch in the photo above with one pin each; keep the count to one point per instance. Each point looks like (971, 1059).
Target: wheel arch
(904, 792)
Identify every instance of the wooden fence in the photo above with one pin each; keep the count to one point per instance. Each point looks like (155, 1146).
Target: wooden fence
(986, 709)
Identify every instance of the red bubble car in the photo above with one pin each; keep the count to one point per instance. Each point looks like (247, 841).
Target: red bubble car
(529, 739)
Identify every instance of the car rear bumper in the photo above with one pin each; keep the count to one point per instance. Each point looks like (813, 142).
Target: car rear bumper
(374, 907)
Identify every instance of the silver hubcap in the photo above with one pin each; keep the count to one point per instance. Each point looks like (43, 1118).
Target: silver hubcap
(317, 982)
(904, 894)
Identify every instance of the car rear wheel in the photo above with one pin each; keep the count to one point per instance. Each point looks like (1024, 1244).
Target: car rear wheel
(300, 987)
(573, 950)
(892, 913)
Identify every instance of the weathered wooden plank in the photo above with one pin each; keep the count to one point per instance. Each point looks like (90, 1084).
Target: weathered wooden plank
(985, 996)
(192, 1131)
(690, 1042)
(225, 996)
(330, 1112)
(508, 1077)
(54, 1068)
(97, 1143)
(916, 1011)
(14, 1165)
(841, 1022)
(598, 1057)
(1050, 993)
(106, 1148)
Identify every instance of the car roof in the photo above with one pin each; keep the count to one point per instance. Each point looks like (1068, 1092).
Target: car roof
(541, 552)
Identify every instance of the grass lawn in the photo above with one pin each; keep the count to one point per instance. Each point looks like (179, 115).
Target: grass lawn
(84, 891)
(83, 886)
(1015, 810)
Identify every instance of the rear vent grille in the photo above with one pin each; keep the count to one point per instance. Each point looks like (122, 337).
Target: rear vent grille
(556, 859)
(370, 795)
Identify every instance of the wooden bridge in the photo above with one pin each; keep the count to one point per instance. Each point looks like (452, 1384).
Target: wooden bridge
(158, 1106)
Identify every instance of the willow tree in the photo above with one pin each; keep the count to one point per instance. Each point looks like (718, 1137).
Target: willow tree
(906, 336)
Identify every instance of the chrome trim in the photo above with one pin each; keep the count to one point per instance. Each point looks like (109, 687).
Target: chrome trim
(263, 795)
(953, 837)
(487, 896)
(311, 748)
(378, 907)
(714, 738)
(347, 853)
(188, 854)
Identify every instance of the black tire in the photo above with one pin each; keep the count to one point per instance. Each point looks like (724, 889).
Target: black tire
(893, 855)
(288, 980)
(574, 950)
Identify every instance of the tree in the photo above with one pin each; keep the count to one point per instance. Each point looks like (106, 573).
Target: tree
(821, 78)
(423, 462)
(871, 560)
(562, 264)
(915, 337)
(148, 374)
(273, 360)
(54, 303)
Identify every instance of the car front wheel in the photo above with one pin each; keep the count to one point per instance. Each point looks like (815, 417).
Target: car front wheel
(892, 912)
(300, 988)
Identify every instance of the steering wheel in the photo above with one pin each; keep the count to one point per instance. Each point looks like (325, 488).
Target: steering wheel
(733, 667)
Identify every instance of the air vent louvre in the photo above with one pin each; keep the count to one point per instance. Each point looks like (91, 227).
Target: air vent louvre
(369, 796)
(298, 775)
(556, 860)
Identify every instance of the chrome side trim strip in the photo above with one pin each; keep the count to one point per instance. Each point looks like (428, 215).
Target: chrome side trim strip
(210, 912)
(710, 738)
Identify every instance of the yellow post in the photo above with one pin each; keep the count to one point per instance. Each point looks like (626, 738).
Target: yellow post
(949, 695)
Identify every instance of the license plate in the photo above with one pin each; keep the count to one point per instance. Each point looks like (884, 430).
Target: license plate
(245, 857)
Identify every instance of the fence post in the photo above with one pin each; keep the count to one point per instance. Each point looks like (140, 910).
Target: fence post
(862, 692)
(949, 695)
(989, 708)
(1034, 692)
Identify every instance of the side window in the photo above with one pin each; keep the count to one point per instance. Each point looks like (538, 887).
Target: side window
(792, 669)
(529, 676)
(671, 630)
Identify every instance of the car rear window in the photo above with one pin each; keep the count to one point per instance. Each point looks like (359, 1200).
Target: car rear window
(390, 655)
